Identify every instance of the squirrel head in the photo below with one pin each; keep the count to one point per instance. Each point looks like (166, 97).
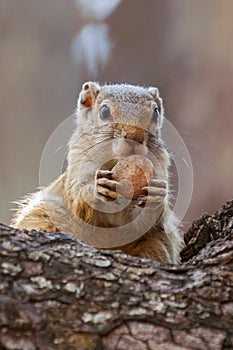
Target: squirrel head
(131, 114)
(138, 104)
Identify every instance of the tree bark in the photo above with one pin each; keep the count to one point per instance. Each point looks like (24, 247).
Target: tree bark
(58, 293)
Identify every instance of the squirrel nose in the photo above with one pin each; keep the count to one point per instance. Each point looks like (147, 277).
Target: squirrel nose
(131, 143)
(134, 136)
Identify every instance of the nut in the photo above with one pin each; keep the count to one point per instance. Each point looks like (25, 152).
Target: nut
(134, 173)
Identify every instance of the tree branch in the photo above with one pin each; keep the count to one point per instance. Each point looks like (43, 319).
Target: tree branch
(59, 293)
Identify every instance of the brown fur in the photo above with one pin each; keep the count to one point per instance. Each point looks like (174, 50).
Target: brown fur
(59, 205)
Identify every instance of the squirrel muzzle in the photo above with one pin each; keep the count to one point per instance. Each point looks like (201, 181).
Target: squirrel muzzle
(129, 139)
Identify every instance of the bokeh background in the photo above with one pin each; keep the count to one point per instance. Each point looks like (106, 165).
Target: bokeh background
(48, 48)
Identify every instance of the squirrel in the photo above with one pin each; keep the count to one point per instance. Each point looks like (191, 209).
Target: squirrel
(120, 120)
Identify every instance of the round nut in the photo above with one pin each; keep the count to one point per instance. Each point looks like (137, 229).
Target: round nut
(133, 172)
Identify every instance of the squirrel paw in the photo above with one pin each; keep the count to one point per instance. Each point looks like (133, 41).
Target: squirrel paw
(153, 195)
(105, 187)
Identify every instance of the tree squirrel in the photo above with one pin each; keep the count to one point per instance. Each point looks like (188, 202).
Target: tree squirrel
(123, 120)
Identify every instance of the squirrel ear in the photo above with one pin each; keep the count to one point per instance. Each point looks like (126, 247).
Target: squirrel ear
(154, 91)
(88, 94)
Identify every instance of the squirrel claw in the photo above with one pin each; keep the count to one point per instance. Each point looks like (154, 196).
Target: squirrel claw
(106, 188)
(153, 195)
(103, 174)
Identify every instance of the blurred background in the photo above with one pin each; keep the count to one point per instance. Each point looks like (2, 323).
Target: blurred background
(48, 48)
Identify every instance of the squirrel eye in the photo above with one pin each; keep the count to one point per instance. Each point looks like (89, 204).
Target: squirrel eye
(105, 112)
(155, 115)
